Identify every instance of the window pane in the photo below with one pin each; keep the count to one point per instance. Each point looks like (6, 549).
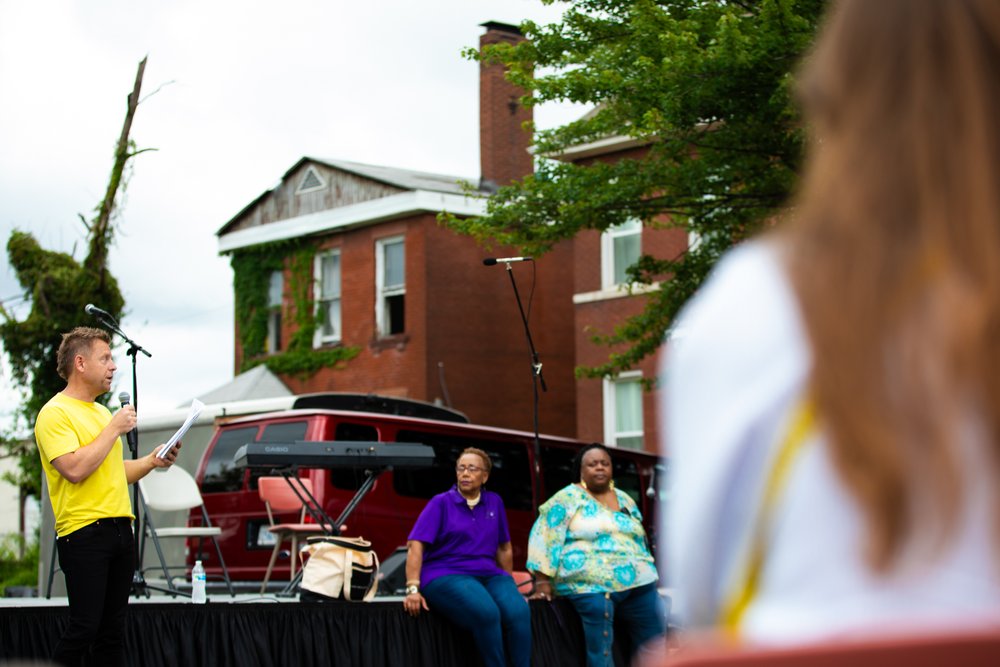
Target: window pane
(330, 275)
(274, 331)
(330, 318)
(630, 442)
(557, 468)
(284, 432)
(510, 477)
(627, 475)
(394, 265)
(280, 432)
(351, 478)
(395, 314)
(628, 407)
(274, 289)
(626, 254)
(220, 474)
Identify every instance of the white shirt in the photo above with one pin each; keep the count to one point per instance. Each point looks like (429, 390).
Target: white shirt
(732, 377)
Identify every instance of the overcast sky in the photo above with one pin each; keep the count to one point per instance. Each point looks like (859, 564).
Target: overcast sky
(245, 88)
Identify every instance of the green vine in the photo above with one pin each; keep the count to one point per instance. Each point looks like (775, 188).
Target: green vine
(252, 268)
(300, 284)
(251, 273)
(304, 363)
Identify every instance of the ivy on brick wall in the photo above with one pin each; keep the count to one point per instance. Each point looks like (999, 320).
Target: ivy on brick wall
(252, 269)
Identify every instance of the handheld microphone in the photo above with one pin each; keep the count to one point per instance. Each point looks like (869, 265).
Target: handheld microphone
(490, 261)
(132, 436)
(91, 309)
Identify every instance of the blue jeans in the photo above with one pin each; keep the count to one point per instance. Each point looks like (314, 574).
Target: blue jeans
(640, 608)
(492, 609)
(98, 561)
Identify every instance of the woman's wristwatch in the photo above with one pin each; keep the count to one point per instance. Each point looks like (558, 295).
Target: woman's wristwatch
(412, 588)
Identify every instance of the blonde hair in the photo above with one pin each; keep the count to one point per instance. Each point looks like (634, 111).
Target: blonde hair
(895, 250)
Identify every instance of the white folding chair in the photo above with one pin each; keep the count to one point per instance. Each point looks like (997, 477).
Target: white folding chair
(173, 489)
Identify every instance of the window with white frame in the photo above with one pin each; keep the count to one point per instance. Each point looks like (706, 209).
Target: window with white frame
(327, 275)
(390, 286)
(620, 248)
(275, 293)
(623, 411)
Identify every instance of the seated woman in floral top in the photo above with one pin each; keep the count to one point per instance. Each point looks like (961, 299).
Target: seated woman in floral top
(588, 545)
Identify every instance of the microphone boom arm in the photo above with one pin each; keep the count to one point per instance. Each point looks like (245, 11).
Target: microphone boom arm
(110, 323)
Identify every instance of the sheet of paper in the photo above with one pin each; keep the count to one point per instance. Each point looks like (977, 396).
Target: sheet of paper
(196, 408)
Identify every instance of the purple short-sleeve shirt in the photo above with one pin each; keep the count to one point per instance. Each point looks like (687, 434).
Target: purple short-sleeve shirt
(459, 540)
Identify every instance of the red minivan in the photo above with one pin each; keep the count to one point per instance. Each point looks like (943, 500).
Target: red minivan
(386, 513)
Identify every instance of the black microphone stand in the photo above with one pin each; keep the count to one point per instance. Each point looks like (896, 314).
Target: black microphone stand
(536, 379)
(139, 585)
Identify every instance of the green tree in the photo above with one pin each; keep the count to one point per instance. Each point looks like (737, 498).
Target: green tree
(58, 287)
(707, 83)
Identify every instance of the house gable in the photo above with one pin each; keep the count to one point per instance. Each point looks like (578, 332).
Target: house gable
(309, 187)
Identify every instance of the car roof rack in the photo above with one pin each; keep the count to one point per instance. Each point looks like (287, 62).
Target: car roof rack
(387, 405)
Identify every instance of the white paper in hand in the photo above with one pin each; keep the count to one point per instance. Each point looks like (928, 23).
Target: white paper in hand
(196, 408)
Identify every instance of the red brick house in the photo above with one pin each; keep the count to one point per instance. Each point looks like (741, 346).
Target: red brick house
(432, 323)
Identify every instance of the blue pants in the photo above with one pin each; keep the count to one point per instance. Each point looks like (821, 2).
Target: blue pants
(640, 608)
(492, 609)
(98, 562)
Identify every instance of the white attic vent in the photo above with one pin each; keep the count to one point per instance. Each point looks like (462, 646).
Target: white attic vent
(311, 181)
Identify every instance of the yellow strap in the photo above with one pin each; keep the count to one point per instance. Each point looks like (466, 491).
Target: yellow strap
(802, 423)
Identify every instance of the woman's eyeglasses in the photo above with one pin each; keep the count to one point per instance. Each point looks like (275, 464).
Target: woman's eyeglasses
(472, 469)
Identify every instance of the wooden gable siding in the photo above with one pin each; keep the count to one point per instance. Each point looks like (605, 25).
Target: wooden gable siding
(340, 188)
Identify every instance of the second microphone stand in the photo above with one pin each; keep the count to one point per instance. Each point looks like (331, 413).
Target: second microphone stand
(536, 378)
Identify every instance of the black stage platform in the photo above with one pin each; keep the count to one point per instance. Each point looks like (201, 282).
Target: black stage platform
(262, 634)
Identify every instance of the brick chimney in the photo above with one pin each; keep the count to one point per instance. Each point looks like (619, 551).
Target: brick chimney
(503, 142)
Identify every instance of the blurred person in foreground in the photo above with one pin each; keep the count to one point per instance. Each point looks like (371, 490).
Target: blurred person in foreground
(833, 405)
(459, 564)
(588, 545)
(79, 442)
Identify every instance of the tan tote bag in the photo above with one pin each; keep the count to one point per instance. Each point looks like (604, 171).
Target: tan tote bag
(340, 568)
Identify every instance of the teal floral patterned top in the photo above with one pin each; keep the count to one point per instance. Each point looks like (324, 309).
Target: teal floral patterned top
(585, 547)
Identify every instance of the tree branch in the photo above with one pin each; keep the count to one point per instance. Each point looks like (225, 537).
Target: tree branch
(101, 230)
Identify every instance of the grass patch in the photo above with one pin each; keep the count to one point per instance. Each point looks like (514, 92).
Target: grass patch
(16, 570)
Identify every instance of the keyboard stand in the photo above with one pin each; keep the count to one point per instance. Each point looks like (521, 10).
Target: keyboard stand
(371, 475)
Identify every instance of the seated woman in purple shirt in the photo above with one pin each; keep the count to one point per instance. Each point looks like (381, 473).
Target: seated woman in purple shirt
(459, 564)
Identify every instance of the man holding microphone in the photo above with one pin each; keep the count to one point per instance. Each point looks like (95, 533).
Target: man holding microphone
(79, 442)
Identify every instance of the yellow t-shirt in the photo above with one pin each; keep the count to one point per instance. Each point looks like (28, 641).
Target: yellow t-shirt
(64, 425)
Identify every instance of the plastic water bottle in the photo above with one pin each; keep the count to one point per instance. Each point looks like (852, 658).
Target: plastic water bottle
(198, 583)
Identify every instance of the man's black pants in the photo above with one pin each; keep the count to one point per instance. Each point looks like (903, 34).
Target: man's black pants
(98, 561)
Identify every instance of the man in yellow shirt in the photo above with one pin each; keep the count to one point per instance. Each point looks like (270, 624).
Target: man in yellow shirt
(80, 446)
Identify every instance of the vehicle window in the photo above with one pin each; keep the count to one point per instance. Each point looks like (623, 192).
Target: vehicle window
(351, 479)
(510, 478)
(220, 474)
(279, 432)
(627, 477)
(284, 432)
(557, 466)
